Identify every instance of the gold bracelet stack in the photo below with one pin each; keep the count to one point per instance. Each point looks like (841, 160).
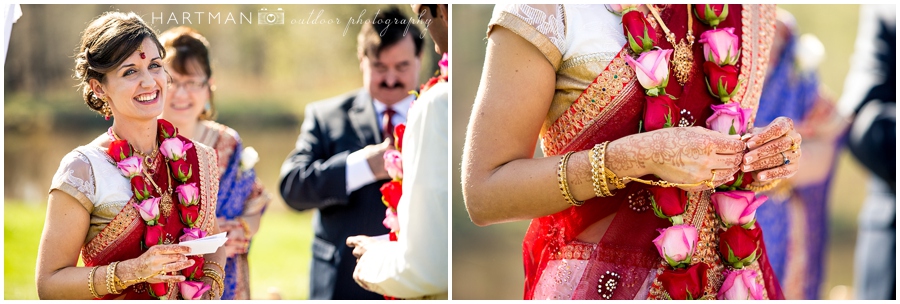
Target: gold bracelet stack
(563, 185)
(91, 283)
(766, 187)
(110, 278)
(217, 278)
(215, 264)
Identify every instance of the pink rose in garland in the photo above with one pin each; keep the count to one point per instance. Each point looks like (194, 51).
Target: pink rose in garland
(711, 14)
(660, 112)
(721, 46)
(722, 81)
(191, 234)
(652, 70)
(119, 150)
(620, 9)
(174, 148)
(188, 194)
(685, 284)
(393, 164)
(192, 290)
(669, 203)
(640, 34)
(390, 220)
(130, 167)
(738, 246)
(729, 119)
(153, 235)
(737, 207)
(181, 170)
(444, 64)
(741, 285)
(149, 210)
(676, 244)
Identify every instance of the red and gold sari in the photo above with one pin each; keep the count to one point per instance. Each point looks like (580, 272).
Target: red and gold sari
(122, 238)
(611, 108)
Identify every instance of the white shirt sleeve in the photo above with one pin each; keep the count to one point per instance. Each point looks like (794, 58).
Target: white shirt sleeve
(416, 264)
(358, 172)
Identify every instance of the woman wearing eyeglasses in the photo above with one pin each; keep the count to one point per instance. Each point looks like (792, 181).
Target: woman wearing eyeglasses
(189, 106)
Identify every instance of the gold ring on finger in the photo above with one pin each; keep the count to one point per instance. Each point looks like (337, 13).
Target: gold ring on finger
(794, 145)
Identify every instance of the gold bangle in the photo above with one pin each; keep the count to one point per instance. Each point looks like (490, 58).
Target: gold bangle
(762, 188)
(110, 278)
(215, 264)
(217, 279)
(607, 174)
(563, 185)
(91, 283)
(596, 172)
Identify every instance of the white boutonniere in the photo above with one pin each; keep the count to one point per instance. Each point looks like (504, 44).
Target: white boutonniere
(249, 158)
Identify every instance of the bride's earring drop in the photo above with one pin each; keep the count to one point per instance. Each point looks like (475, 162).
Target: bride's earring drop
(105, 108)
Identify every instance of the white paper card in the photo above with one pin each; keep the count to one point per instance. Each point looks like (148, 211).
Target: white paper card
(206, 245)
(383, 237)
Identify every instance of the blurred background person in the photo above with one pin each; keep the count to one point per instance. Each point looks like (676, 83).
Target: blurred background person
(795, 219)
(870, 94)
(189, 106)
(415, 266)
(128, 241)
(337, 165)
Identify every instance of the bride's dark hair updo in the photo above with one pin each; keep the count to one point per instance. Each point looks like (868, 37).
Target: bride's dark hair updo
(105, 44)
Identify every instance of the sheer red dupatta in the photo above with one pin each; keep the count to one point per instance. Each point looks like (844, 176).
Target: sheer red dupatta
(122, 238)
(611, 108)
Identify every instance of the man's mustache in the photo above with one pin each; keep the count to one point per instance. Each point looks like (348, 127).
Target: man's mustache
(397, 85)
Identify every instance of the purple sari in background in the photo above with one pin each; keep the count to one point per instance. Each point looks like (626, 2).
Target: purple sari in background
(795, 219)
(240, 194)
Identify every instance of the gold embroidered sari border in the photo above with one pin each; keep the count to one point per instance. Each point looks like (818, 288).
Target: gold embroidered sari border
(606, 91)
(531, 34)
(121, 225)
(209, 186)
(758, 31)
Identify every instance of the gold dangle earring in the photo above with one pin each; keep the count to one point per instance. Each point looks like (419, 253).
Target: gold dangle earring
(105, 109)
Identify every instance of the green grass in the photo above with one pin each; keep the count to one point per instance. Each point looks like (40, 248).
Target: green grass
(279, 259)
(21, 233)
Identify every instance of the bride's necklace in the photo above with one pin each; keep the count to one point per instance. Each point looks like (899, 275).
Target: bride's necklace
(683, 58)
(148, 169)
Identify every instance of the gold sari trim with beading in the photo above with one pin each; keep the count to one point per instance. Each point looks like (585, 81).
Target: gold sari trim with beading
(593, 105)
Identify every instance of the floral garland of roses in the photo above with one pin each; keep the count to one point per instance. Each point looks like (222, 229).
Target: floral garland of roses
(393, 163)
(131, 166)
(735, 207)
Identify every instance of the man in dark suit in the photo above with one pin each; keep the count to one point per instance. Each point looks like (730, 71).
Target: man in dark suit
(337, 166)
